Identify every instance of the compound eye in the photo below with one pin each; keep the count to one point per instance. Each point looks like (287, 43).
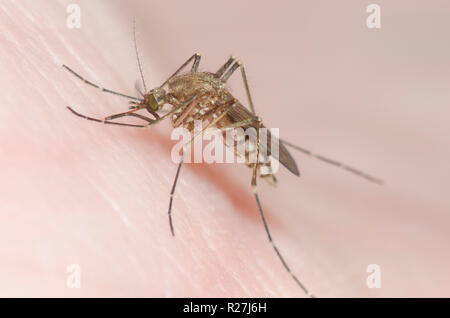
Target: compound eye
(153, 102)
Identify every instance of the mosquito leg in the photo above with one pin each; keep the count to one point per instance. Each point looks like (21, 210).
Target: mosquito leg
(224, 67)
(142, 117)
(155, 114)
(188, 144)
(244, 78)
(196, 57)
(122, 114)
(335, 163)
(255, 192)
(131, 113)
(104, 121)
(149, 120)
(227, 75)
(172, 192)
(153, 122)
(96, 86)
(196, 63)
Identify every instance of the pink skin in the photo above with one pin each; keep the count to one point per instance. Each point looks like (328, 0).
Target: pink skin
(77, 192)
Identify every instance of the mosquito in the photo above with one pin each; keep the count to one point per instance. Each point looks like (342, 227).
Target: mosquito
(195, 95)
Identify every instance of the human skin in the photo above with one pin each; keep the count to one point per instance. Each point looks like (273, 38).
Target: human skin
(78, 192)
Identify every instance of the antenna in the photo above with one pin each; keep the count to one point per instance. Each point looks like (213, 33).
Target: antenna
(137, 54)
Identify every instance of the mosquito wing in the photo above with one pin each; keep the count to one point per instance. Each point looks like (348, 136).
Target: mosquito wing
(240, 113)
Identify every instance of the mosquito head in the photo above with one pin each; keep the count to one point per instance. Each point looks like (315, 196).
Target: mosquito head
(155, 99)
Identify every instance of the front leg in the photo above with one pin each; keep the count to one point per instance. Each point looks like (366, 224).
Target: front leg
(266, 227)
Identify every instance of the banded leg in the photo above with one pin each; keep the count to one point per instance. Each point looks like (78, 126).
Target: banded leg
(224, 67)
(108, 119)
(335, 163)
(196, 63)
(132, 114)
(188, 144)
(196, 57)
(244, 78)
(133, 109)
(172, 193)
(255, 192)
(151, 121)
(96, 86)
(103, 121)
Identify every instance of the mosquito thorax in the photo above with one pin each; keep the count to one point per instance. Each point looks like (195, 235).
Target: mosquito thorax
(155, 99)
